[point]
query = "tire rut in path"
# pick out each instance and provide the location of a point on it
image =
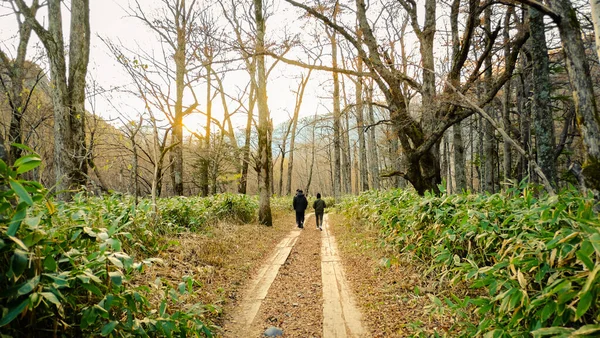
(257, 289)
(341, 317)
(294, 302)
(308, 297)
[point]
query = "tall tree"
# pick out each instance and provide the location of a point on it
(420, 140)
(372, 141)
(294, 128)
(68, 89)
(507, 104)
(17, 71)
(264, 160)
(337, 142)
(176, 29)
(460, 175)
(360, 125)
(488, 131)
(541, 103)
(588, 116)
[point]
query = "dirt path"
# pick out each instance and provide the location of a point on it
(341, 316)
(301, 289)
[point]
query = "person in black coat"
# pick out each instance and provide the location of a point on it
(319, 206)
(300, 204)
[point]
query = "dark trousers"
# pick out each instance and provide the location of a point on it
(319, 217)
(299, 217)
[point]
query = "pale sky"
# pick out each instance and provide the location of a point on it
(110, 21)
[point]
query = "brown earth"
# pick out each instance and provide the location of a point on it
(294, 302)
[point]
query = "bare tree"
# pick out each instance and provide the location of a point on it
(16, 71)
(264, 160)
(419, 139)
(176, 28)
(68, 88)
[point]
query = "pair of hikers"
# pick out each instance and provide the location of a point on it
(300, 204)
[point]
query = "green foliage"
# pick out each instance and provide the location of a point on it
(532, 262)
(196, 213)
(67, 268)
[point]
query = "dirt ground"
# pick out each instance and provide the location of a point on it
(385, 286)
(294, 302)
(224, 261)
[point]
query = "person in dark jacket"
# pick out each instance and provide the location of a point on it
(319, 206)
(300, 204)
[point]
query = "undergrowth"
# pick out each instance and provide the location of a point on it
(532, 262)
(66, 269)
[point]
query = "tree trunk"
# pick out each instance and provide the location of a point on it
(312, 155)
(507, 153)
(542, 111)
(488, 131)
(460, 176)
(246, 149)
(595, 6)
(360, 125)
(346, 155)
(205, 163)
(17, 73)
(290, 166)
(180, 68)
(337, 165)
(264, 160)
(588, 117)
(68, 90)
(372, 145)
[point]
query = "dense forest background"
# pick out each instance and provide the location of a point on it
(469, 94)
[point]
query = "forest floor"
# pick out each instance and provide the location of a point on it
(301, 290)
(298, 281)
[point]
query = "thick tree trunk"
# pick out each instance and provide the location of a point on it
(542, 111)
(460, 176)
(264, 160)
(588, 117)
(68, 90)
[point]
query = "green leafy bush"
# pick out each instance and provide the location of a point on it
(65, 267)
(533, 262)
(196, 213)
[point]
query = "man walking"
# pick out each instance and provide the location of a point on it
(300, 204)
(319, 206)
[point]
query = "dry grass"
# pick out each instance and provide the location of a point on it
(385, 285)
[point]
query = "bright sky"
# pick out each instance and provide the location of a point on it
(109, 20)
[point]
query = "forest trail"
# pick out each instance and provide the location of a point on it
(301, 288)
